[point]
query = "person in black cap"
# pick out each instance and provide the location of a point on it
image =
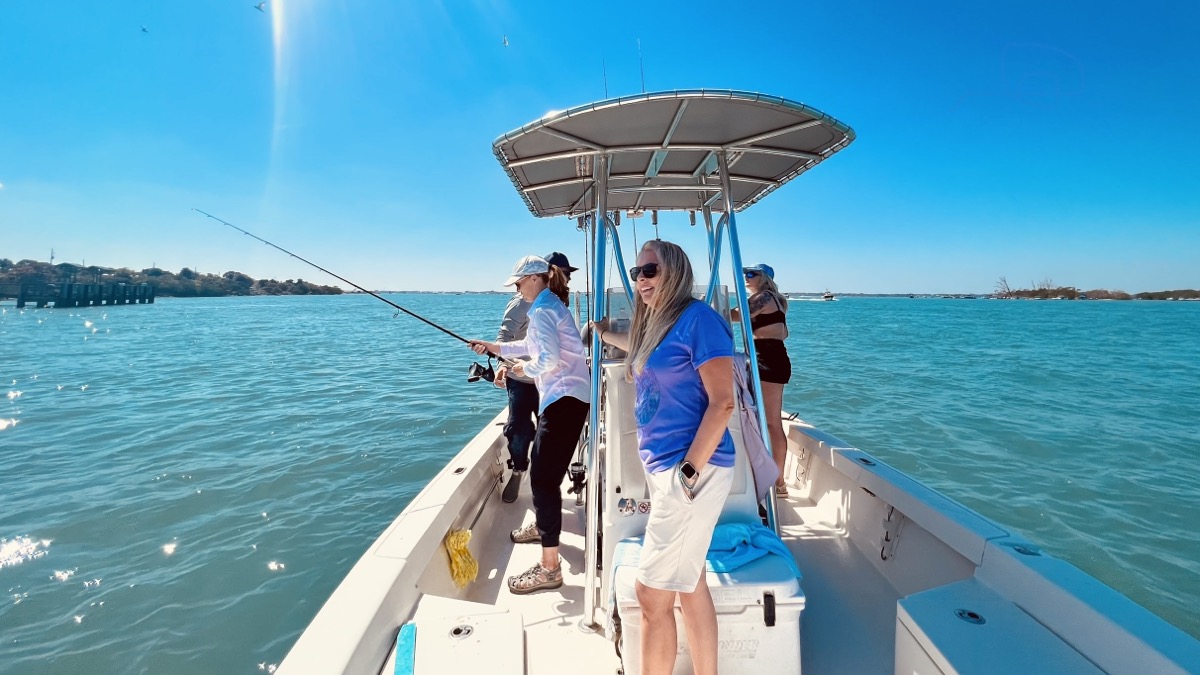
(560, 261)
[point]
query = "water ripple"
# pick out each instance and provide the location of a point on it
(270, 440)
(1072, 423)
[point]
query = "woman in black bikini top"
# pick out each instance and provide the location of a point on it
(768, 320)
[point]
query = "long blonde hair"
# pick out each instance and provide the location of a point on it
(650, 325)
(769, 287)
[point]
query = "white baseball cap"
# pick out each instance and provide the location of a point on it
(530, 264)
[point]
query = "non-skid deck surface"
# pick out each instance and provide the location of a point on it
(555, 642)
(848, 625)
(849, 620)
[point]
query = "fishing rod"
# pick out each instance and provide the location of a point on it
(476, 372)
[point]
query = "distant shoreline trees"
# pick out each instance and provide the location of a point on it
(1048, 290)
(184, 284)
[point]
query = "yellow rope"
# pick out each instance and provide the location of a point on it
(463, 568)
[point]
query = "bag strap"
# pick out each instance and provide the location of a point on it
(762, 465)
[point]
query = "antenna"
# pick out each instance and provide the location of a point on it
(641, 66)
(604, 72)
(51, 256)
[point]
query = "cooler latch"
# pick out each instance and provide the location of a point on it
(768, 603)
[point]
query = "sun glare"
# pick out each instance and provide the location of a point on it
(278, 37)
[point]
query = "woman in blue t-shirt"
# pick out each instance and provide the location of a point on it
(681, 363)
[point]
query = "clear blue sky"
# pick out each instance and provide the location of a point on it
(1029, 140)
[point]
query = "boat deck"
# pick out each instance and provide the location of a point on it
(555, 640)
(849, 621)
(848, 624)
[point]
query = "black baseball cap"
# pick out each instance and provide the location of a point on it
(560, 260)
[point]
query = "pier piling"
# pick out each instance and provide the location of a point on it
(71, 294)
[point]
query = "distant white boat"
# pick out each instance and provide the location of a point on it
(902, 578)
(827, 295)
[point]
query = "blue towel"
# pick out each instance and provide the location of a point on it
(736, 544)
(406, 648)
(733, 545)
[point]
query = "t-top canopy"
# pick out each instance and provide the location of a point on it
(662, 144)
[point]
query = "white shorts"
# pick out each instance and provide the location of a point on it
(678, 532)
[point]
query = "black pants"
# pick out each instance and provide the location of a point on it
(520, 428)
(558, 431)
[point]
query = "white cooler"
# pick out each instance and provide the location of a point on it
(758, 618)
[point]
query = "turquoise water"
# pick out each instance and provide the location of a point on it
(183, 484)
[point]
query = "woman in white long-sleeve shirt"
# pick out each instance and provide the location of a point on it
(558, 366)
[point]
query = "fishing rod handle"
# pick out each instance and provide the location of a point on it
(503, 360)
(489, 353)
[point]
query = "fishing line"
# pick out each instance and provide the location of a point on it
(612, 265)
(341, 278)
(641, 66)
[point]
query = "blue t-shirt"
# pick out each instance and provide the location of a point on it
(670, 394)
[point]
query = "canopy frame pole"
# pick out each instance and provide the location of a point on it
(592, 512)
(712, 236)
(735, 255)
(714, 254)
(615, 240)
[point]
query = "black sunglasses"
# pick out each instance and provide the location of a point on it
(751, 275)
(649, 270)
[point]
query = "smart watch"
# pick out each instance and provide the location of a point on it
(689, 472)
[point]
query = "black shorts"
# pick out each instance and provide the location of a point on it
(773, 362)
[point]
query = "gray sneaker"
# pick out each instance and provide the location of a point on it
(527, 535)
(514, 486)
(536, 578)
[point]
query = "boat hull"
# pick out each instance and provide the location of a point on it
(885, 560)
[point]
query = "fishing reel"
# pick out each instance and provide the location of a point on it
(577, 472)
(476, 372)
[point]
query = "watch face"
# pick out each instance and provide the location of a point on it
(688, 470)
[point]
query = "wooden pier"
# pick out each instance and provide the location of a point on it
(71, 294)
